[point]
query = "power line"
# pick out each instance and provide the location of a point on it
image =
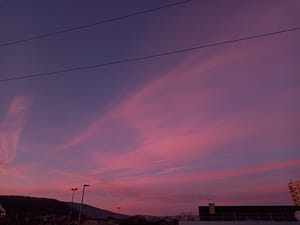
(93, 24)
(43, 74)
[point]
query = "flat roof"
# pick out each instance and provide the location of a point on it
(249, 213)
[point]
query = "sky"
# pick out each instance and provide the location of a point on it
(159, 136)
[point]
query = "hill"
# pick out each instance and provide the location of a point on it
(23, 210)
(33, 206)
(24, 205)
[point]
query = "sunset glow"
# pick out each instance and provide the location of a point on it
(159, 136)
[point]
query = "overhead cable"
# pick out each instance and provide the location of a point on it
(75, 28)
(161, 54)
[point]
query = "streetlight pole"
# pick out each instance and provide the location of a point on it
(71, 206)
(79, 217)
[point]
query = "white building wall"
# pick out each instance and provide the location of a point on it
(237, 223)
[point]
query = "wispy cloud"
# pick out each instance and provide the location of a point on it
(14, 171)
(187, 113)
(148, 105)
(170, 131)
(11, 127)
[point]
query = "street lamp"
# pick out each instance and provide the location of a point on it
(71, 206)
(84, 186)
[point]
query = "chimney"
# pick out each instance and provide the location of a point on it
(212, 209)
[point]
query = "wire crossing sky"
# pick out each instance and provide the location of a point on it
(43, 74)
(76, 28)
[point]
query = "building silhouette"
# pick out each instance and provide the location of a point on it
(258, 213)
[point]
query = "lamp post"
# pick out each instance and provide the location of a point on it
(80, 209)
(71, 206)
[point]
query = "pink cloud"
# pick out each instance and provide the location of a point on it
(157, 103)
(211, 175)
(170, 151)
(174, 116)
(20, 104)
(14, 171)
(138, 106)
(184, 116)
(133, 193)
(12, 126)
